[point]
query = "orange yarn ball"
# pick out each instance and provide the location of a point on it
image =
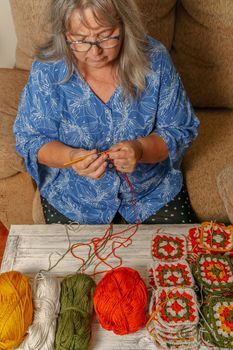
(16, 308)
(120, 301)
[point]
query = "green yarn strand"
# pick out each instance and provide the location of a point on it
(74, 321)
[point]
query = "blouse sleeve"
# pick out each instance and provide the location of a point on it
(177, 123)
(37, 120)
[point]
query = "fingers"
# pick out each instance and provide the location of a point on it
(93, 166)
(123, 156)
(118, 151)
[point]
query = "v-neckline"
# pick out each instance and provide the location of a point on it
(84, 82)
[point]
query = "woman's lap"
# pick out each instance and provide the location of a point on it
(177, 211)
(51, 215)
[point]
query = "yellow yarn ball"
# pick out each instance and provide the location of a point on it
(16, 309)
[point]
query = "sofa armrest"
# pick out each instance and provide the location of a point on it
(225, 189)
(208, 156)
(12, 83)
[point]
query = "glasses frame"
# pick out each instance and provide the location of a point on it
(93, 43)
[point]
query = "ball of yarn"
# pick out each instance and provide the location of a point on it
(16, 308)
(74, 320)
(120, 301)
(41, 333)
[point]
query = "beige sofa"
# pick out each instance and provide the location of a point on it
(199, 35)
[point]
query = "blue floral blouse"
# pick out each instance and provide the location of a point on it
(71, 113)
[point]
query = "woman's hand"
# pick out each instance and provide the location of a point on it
(92, 166)
(126, 155)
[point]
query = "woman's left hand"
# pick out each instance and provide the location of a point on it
(126, 155)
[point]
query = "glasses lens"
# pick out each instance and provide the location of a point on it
(81, 47)
(109, 43)
(105, 44)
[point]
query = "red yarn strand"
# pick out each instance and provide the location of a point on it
(96, 245)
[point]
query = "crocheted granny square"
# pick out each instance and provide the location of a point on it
(177, 307)
(216, 237)
(218, 327)
(214, 273)
(169, 247)
(168, 274)
(173, 322)
(211, 237)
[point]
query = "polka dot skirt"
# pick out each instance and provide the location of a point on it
(51, 215)
(178, 211)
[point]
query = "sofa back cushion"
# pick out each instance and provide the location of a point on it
(159, 17)
(31, 26)
(203, 51)
(30, 21)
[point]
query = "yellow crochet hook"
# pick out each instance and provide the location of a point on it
(71, 162)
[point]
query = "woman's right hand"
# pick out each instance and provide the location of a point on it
(92, 166)
(56, 154)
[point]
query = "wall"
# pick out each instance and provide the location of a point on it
(7, 36)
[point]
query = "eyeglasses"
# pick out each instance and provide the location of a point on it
(83, 46)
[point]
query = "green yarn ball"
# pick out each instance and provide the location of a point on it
(74, 320)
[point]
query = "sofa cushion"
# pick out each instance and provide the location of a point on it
(30, 20)
(12, 82)
(17, 193)
(203, 51)
(210, 153)
(31, 24)
(159, 17)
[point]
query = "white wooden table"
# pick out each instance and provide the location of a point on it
(31, 248)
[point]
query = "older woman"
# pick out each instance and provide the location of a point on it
(103, 93)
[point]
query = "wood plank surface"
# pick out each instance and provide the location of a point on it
(31, 248)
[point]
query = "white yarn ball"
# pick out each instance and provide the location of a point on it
(41, 333)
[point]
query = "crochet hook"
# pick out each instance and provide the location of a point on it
(71, 162)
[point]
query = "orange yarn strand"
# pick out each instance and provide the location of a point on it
(115, 240)
(120, 301)
(16, 309)
(96, 246)
(123, 242)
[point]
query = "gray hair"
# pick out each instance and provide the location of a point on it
(133, 57)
